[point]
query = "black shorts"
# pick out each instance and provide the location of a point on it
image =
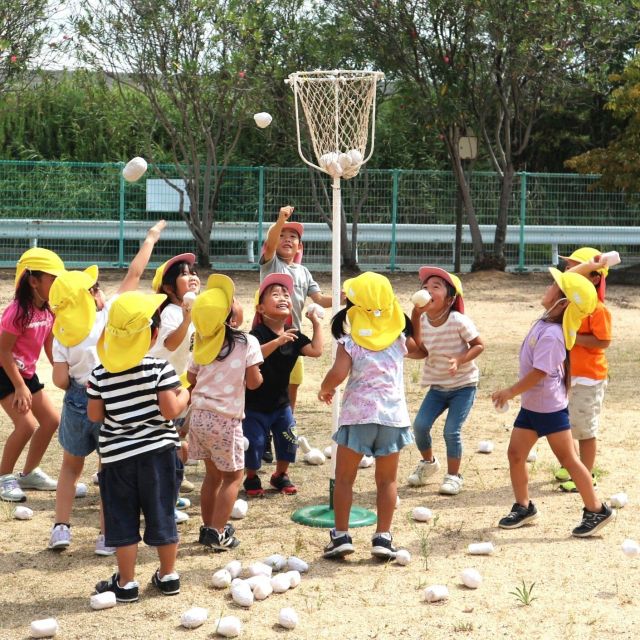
(6, 386)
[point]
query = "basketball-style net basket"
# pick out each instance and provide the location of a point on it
(339, 108)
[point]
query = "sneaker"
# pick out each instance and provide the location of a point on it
(219, 541)
(593, 521)
(451, 484)
(562, 475)
(10, 490)
(94, 478)
(183, 503)
(382, 546)
(128, 593)
(38, 480)
(570, 486)
(169, 585)
(101, 547)
(253, 486)
(186, 486)
(338, 547)
(180, 516)
(424, 470)
(518, 516)
(60, 537)
(282, 484)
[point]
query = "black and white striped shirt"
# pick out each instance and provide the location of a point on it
(133, 424)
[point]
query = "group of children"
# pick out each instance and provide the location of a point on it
(141, 371)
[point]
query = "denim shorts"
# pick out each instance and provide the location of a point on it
(6, 386)
(544, 424)
(372, 439)
(146, 484)
(257, 425)
(77, 434)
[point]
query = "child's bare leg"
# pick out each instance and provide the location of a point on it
(24, 426)
(347, 461)
(588, 450)
(48, 418)
(209, 492)
(66, 491)
(127, 556)
(427, 454)
(453, 466)
(387, 489)
(167, 553)
(562, 446)
(293, 396)
(227, 495)
(519, 446)
(282, 466)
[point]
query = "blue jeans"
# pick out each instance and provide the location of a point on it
(257, 425)
(77, 434)
(459, 402)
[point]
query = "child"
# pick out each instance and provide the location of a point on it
(224, 360)
(374, 419)
(589, 368)
(267, 408)
(544, 413)
(25, 329)
(283, 254)
(81, 313)
(136, 397)
(451, 343)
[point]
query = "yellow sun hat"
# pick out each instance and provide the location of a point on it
(376, 317)
(38, 259)
(582, 298)
(586, 254)
(73, 306)
(127, 336)
(156, 283)
(209, 313)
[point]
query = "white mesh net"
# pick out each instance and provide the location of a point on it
(338, 108)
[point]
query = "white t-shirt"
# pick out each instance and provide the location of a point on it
(83, 358)
(446, 341)
(170, 320)
(220, 385)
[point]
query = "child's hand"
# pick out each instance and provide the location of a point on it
(500, 398)
(285, 213)
(156, 230)
(454, 363)
(326, 395)
(288, 336)
(22, 399)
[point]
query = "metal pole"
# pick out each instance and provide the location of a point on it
(121, 214)
(523, 215)
(394, 219)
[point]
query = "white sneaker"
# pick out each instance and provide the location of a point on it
(101, 547)
(60, 537)
(37, 479)
(424, 470)
(180, 516)
(451, 484)
(10, 490)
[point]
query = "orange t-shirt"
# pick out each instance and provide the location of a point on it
(592, 363)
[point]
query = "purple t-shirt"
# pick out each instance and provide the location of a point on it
(544, 349)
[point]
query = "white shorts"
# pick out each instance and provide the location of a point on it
(585, 404)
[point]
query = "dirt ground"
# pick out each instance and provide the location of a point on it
(581, 588)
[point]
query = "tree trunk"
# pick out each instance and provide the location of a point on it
(506, 192)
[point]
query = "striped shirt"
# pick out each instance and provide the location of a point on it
(443, 342)
(133, 424)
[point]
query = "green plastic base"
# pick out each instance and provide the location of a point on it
(322, 516)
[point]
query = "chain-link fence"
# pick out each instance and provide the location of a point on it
(88, 214)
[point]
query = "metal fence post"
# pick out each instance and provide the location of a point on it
(260, 203)
(121, 215)
(394, 218)
(523, 216)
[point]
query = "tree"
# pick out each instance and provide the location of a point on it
(495, 66)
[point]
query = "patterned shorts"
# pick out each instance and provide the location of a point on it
(216, 438)
(585, 403)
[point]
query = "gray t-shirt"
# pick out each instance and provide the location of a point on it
(303, 283)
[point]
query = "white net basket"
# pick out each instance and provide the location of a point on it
(339, 108)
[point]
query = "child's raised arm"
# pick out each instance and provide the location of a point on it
(273, 236)
(335, 376)
(313, 350)
(141, 259)
(500, 398)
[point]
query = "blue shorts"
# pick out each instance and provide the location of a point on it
(373, 439)
(257, 425)
(146, 484)
(544, 424)
(77, 434)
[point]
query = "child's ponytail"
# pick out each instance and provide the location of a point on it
(231, 336)
(338, 321)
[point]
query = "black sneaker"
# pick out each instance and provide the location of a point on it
(168, 585)
(382, 547)
(593, 521)
(282, 484)
(519, 515)
(338, 547)
(219, 541)
(253, 486)
(128, 593)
